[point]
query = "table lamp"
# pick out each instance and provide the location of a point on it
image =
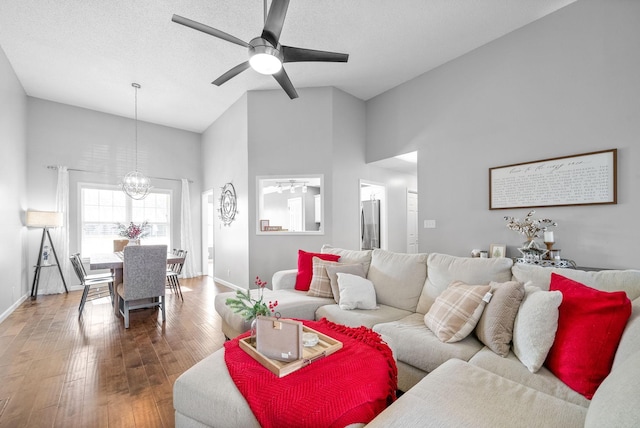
(44, 220)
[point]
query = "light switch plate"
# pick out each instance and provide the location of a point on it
(429, 224)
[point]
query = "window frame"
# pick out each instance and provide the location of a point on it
(128, 209)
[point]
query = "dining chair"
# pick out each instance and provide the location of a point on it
(88, 282)
(144, 276)
(173, 272)
(92, 276)
(119, 244)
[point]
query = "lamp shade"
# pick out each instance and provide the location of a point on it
(44, 219)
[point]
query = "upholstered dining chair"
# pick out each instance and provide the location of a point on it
(89, 283)
(144, 276)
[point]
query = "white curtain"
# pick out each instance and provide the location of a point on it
(60, 237)
(186, 237)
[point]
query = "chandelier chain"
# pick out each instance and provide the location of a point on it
(136, 86)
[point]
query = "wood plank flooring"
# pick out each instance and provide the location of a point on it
(58, 370)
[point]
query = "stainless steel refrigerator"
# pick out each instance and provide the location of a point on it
(370, 224)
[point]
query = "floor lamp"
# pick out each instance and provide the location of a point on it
(45, 220)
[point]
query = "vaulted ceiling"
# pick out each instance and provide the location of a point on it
(87, 53)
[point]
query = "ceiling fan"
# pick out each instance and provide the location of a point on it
(266, 54)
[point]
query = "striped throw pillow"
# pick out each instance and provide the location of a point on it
(320, 282)
(456, 311)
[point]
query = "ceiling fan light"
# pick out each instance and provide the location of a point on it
(265, 63)
(263, 57)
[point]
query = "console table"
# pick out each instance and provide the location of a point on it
(562, 263)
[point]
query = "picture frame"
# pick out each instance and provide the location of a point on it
(497, 251)
(264, 224)
(582, 179)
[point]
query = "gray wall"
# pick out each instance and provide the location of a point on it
(59, 134)
(14, 261)
(224, 160)
(322, 132)
(287, 138)
(563, 85)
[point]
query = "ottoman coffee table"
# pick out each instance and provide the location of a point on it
(206, 395)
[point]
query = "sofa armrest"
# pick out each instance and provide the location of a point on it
(284, 279)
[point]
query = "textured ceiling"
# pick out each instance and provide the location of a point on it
(87, 53)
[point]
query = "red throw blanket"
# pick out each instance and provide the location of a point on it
(352, 385)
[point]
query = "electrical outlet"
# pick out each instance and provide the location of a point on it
(429, 224)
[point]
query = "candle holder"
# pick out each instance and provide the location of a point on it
(549, 247)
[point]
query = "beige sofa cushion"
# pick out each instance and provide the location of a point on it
(358, 317)
(398, 278)
(630, 340)
(350, 256)
(495, 328)
(444, 269)
(606, 280)
(459, 394)
(615, 403)
(543, 380)
(416, 345)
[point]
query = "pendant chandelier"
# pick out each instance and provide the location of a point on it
(135, 184)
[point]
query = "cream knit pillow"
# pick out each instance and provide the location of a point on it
(535, 326)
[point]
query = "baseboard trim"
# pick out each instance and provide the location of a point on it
(227, 284)
(12, 308)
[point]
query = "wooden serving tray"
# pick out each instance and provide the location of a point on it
(326, 346)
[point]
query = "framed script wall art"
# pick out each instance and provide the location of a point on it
(584, 179)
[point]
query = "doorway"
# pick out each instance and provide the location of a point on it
(208, 212)
(295, 214)
(412, 222)
(373, 215)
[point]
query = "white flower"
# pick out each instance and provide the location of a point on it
(529, 227)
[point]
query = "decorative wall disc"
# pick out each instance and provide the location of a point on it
(228, 204)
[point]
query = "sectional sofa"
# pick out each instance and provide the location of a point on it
(492, 373)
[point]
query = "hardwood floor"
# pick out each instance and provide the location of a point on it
(58, 370)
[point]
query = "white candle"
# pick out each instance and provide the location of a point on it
(548, 237)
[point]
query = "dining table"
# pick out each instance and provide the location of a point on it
(115, 262)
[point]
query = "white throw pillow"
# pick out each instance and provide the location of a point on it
(534, 329)
(356, 292)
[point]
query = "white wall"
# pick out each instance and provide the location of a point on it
(14, 262)
(563, 85)
(59, 134)
(224, 159)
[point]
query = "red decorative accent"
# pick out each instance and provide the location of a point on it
(305, 268)
(353, 385)
(590, 325)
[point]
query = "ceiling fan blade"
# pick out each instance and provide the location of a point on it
(231, 73)
(283, 80)
(209, 30)
(292, 54)
(275, 21)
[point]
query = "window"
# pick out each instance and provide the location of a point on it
(103, 207)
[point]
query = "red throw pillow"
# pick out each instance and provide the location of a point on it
(305, 268)
(590, 324)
